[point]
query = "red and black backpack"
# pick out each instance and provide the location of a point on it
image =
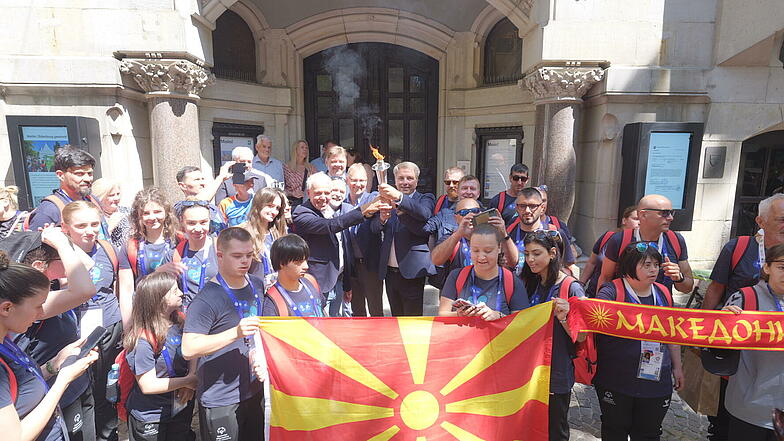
(462, 277)
(280, 302)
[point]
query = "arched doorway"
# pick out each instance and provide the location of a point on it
(761, 174)
(376, 93)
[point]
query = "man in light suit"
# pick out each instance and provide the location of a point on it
(327, 256)
(405, 257)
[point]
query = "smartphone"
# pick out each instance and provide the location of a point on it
(238, 173)
(92, 341)
(238, 167)
(461, 304)
(484, 217)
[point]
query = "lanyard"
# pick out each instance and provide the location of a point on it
(167, 357)
(659, 244)
(761, 251)
(775, 298)
(635, 299)
(204, 262)
(10, 350)
(475, 292)
(293, 306)
(240, 306)
(537, 298)
(64, 195)
(265, 260)
(467, 261)
(143, 257)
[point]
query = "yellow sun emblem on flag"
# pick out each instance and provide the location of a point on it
(414, 406)
(599, 316)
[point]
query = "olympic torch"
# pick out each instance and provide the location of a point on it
(380, 167)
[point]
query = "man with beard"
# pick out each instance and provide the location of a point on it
(504, 201)
(529, 208)
(74, 168)
(447, 200)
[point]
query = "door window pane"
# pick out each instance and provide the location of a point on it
(753, 170)
(324, 83)
(416, 83)
(324, 130)
(775, 173)
(396, 105)
(417, 105)
(396, 141)
(347, 133)
(395, 79)
(416, 141)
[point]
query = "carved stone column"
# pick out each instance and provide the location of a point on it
(558, 93)
(172, 87)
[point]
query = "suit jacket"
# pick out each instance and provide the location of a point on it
(367, 240)
(319, 233)
(410, 238)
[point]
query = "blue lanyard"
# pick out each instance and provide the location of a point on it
(537, 299)
(10, 350)
(467, 261)
(142, 257)
(775, 299)
(64, 195)
(203, 272)
(293, 306)
(240, 305)
(657, 301)
(167, 357)
(475, 292)
(265, 260)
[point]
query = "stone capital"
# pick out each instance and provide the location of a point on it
(561, 84)
(173, 77)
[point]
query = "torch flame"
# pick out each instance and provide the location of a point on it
(376, 154)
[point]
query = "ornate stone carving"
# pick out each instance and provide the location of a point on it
(175, 76)
(549, 84)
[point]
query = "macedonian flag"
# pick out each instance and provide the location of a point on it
(413, 378)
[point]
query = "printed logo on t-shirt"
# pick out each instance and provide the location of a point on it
(306, 308)
(95, 273)
(248, 308)
(194, 270)
(482, 299)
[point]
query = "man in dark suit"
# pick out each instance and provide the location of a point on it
(405, 257)
(326, 261)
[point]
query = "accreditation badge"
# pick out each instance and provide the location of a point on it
(91, 318)
(651, 359)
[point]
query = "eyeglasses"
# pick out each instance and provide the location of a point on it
(451, 182)
(531, 207)
(519, 178)
(662, 212)
(465, 211)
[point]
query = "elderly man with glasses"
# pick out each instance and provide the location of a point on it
(504, 201)
(656, 214)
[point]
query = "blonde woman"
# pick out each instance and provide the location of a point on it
(107, 191)
(11, 219)
(265, 223)
(296, 172)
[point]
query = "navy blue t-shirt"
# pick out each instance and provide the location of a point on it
(618, 359)
(225, 376)
(29, 393)
(194, 260)
(152, 255)
(599, 250)
(561, 365)
(142, 359)
(45, 339)
(487, 292)
(301, 298)
(612, 252)
(746, 273)
(509, 212)
(46, 213)
(103, 277)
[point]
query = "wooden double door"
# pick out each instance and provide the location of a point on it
(375, 93)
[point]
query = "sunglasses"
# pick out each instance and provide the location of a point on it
(531, 207)
(193, 203)
(449, 182)
(643, 246)
(465, 211)
(543, 188)
(662, 212)
(547, 233)
(519, 178)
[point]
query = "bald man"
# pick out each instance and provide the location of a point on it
(453, 251)
(656, 214)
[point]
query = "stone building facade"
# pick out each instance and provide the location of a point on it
(146, 71)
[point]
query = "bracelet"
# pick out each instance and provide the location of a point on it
(50, 368)
(508, 237)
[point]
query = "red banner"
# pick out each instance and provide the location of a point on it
(693, 327)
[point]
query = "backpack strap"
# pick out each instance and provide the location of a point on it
(749, 298)
(279, 301)
(620, 290)
(626, 239)
(740, 249)
(666, 292)
(508, 285)
(566, 283)
(674, 242)
(309, 277)
(51, 198)
(12, 384)
(439, 204)
(552, 227)
(179, 251)
(605, 239)
(501, 201)
(512, 226)
(152, 340)
(462, 276)
(554, 221)
(109, 249)
(132, 249)
(454, 252)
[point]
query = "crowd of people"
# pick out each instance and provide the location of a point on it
(177, 286)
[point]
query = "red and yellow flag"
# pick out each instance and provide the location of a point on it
(412, 378)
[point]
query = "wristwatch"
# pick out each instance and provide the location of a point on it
(508, 237)
(683, 277)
